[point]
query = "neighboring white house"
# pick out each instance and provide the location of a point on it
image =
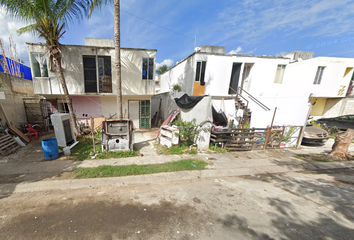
(89, 72)
(282, 83)
(327, 79)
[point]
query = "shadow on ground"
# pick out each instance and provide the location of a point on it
(331, 198)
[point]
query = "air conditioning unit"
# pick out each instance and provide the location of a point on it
(64, 132)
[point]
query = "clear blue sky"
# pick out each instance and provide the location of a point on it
(259, 27)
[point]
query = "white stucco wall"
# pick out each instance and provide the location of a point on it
(299, 77)
(182, 74)
(131, 62)
(290, 97)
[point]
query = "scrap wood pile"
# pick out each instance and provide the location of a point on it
(8, 144)
(239, 139)
(246, 139)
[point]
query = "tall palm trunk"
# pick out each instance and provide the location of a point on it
(57, 61)
(117, 56)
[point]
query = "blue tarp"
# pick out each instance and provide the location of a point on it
(25, 71)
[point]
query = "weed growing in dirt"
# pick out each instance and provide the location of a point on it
(217, 149)
(83, 149)
(163, 150)
(127, 170)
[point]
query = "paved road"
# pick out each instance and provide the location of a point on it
(294, 205)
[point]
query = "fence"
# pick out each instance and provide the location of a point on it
(257, 138)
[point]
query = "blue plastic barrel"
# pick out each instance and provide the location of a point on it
(50, 149)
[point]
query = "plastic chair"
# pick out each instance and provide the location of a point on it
(32, 132)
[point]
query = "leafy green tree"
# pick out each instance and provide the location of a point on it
(48, 19)
(162, 69)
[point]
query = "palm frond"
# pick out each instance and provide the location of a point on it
(32, 28)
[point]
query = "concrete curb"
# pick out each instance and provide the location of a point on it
(141, 179)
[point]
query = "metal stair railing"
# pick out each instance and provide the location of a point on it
(259, 103)
(239, 95)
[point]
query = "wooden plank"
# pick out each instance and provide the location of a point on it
(8, 144)
(219, 140)
(10, 151)
(247, 141)
(5, 138)
(9, 147)
(19, 133)
(97, 122)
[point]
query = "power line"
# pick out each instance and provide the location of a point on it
(159, 26)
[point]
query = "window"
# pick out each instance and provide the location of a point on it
(319, 74)
(39, 65)
(148, 69)
(279, 74)
(100, 71)
(200, 72)
(90, 74)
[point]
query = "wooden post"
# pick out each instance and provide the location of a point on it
(267, 137)
(93, 135)
(299, 137)
(275, 110)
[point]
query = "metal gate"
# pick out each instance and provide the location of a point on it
(144, 114)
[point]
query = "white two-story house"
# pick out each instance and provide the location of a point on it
(89, 72)
(279, 88)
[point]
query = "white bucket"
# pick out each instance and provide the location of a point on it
(66, 151)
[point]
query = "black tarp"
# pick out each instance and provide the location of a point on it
(219, 118)
(186, 101)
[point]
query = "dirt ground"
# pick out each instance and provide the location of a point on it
(289, 206)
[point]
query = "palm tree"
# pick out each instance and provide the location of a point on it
(117, 56)
(116, 5)
(48, 19)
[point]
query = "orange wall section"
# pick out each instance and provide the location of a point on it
(198, 90)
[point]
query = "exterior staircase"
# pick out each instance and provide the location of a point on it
(242, 103)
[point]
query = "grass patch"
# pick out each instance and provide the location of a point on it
(128, 170)
(83, 149)
(217, 149)
(174, 150)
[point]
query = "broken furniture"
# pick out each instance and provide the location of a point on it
(169, 136)
(32, 132)
(117, 135)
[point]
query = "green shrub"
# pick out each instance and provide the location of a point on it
(187, 131)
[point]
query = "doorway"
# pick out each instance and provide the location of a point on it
(246, 76)
(139, 113)
(235, 77)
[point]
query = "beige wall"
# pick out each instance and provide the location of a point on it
(338, 106)
(317, 109)
(15, 90)
(131, 62)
